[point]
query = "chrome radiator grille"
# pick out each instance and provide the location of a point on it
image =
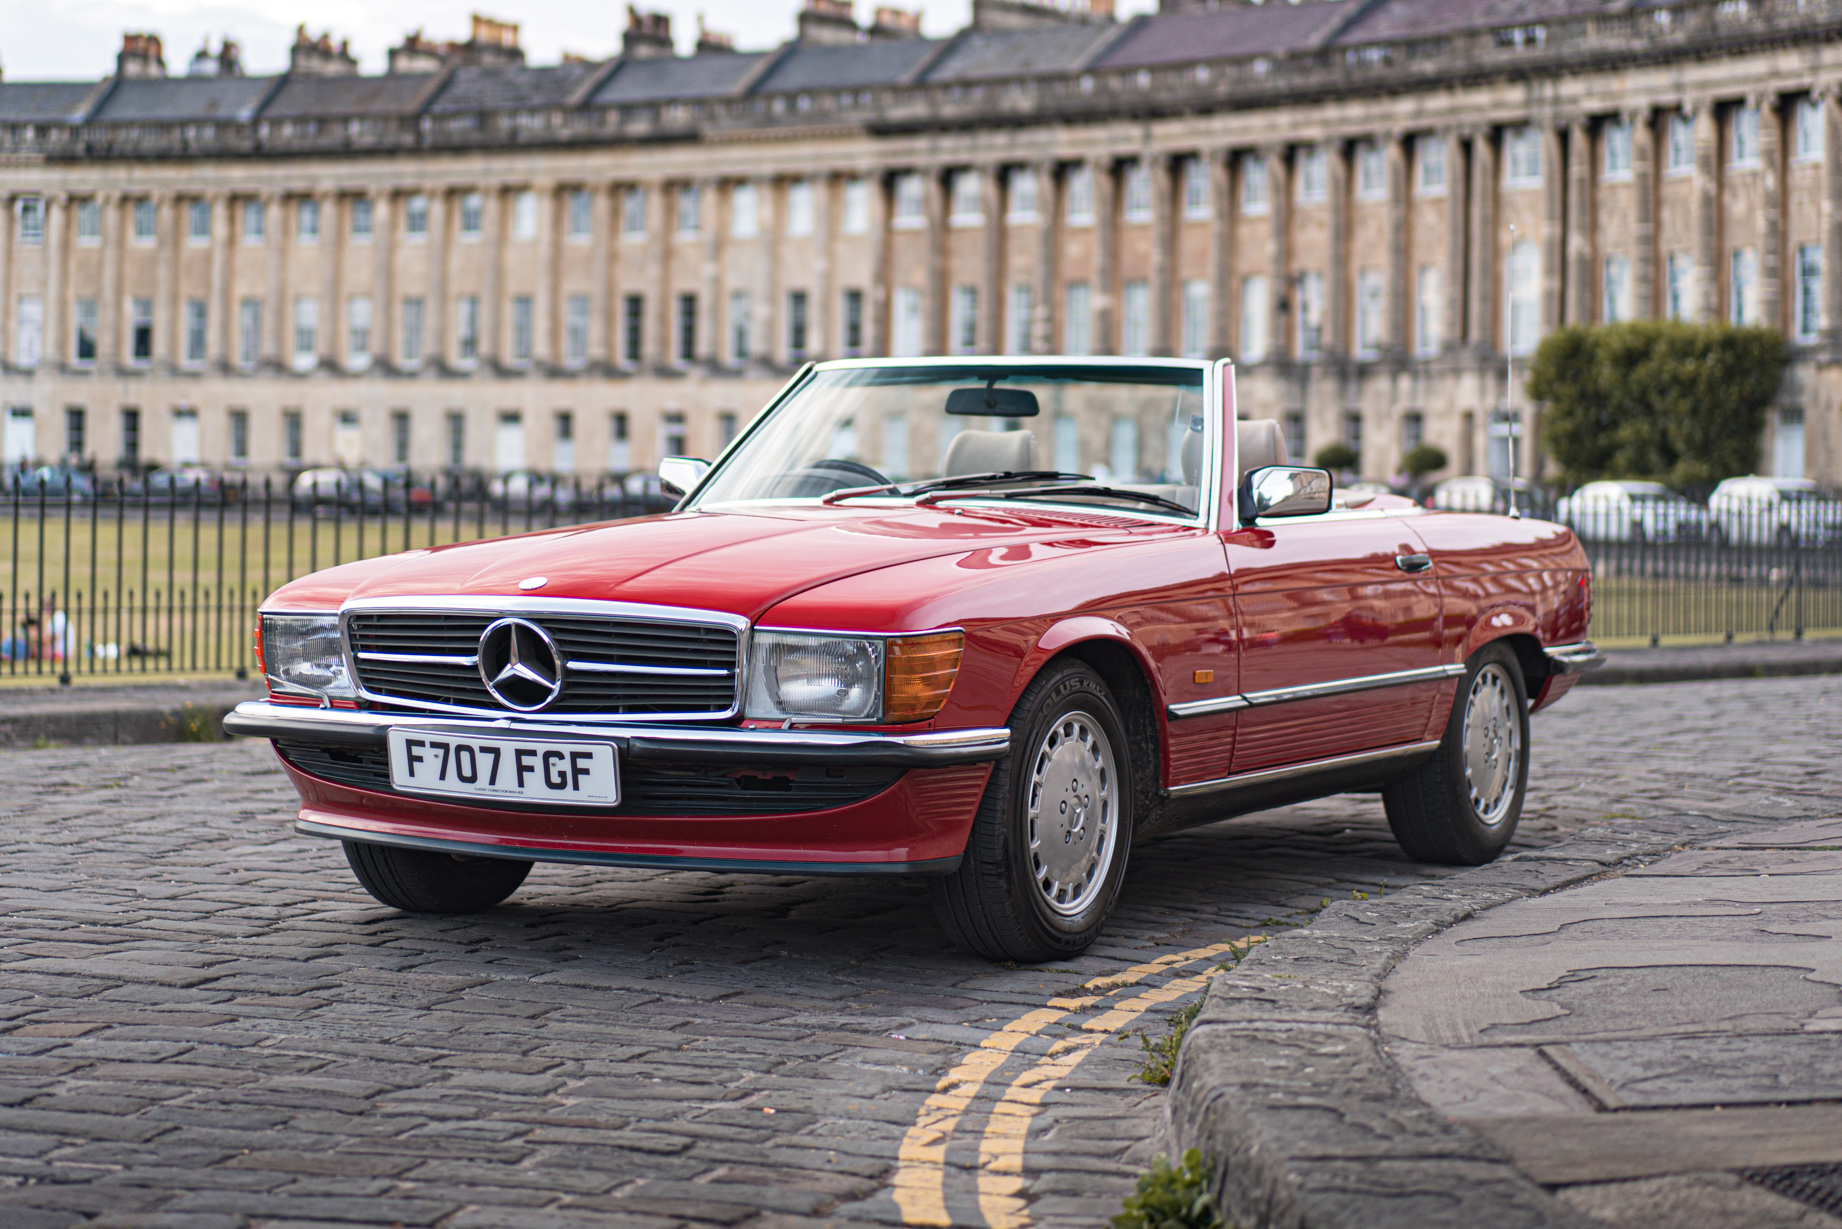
(613, 666)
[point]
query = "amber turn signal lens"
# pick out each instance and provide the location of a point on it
(918, 673)
(262, 665)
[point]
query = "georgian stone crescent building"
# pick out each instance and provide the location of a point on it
(467, 261)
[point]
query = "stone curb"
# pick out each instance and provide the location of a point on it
(1767, 659)
(159, 715)
(1283, 1082)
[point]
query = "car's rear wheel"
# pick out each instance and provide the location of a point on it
(422, 881)
(1461, 806)
(1048, 847)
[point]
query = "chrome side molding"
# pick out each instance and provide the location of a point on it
(1291, 771)
(1313, 691)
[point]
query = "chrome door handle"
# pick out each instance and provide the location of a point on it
(1413, 563)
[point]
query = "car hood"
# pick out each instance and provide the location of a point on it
(737, 562)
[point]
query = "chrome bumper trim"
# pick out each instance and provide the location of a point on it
(336, 727)
(1313, 691)
(1574, 658)
(1289, 771)
(521, 853)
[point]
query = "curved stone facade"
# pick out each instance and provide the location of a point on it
(1369, 204)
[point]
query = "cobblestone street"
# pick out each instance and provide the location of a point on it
(205, 1023)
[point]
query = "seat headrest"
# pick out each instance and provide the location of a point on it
(989, 452)
(1258, 442)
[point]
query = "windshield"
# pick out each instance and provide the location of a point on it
(1126, 437)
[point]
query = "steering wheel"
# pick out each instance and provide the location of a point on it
(824, 477)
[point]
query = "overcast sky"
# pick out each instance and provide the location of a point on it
(78, 39)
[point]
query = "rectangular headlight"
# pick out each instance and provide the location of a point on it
(302, 655)
(811, 677)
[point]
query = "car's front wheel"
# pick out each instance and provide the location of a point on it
(1048, 847)
(424, 881)
(1461, 806)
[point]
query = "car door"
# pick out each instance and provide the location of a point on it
(1339, 624)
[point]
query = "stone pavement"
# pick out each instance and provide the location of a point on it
(204, 1023)
(1646, 1043)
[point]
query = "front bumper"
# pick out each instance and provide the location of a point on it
(357, 728)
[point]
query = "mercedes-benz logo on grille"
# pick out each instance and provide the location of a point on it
(520, 665)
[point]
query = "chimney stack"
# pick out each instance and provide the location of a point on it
(140, 57)
(648, 35)
(317, 57)
(828, 23)
(712, 42)
(895, 23)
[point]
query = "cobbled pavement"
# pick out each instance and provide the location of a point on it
(205, 1024)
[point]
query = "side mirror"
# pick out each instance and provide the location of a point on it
(679, 475)
(1284, 490)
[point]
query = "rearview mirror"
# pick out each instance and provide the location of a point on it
(1284, 490)
(994, 402)
(681, 474)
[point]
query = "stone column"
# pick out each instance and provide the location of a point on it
(1457, 228)
(1048, 251)
(384, 280)
(876, 295)
(275, 234)
(1832, 214)
(53, 346)
(108, 298)
(168, 236)
(546, 346)
(1106, 246)
(1394, 311)
(1705, 304)
(7, 262)
(656, 346)
(1161, 340)
(332, 281)
(437, 344)
(1222, 299)
(218, 335)
(992, 309)
(603, 302)
(1554, 172)
(1771, 205)
(1483, 281)
(492, 280)
(767, 342)
(1279, 251)
(709, 272)
(819, 297)
(1580, 223)
(1643, 213)
(934, 282)
(1337, 275)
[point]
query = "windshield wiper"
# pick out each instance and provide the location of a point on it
(993, 478)
(1109, 492)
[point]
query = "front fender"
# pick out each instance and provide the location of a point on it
(1077, 629)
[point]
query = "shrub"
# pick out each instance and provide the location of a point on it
(1683, 403)
(1336, 458)
(1172, 1198)
(1423, 459)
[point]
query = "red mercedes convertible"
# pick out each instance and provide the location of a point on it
(987, 621)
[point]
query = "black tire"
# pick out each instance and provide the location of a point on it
(421, 881)
(1433, 810)
(996, 904)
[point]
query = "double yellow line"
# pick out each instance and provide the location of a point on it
(920, 1178)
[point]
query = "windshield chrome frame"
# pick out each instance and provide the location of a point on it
(1215, 376)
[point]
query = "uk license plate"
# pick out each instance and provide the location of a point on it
(504, 769)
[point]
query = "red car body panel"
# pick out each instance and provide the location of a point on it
(1204, 616)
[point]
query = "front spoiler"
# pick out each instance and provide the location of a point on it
(342, 727)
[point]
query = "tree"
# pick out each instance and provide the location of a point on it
(1423, 459)
(1337, 458)
(1682, 403)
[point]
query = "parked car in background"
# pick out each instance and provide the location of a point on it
(527, 488)
(639, 495)
(976, 670)
(177, 484)
(48, 482)
(365, 489)
(1756, 511)
(1627, 510)
(1477, 493)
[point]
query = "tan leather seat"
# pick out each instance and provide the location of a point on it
(1258, 442)
(989, 452)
